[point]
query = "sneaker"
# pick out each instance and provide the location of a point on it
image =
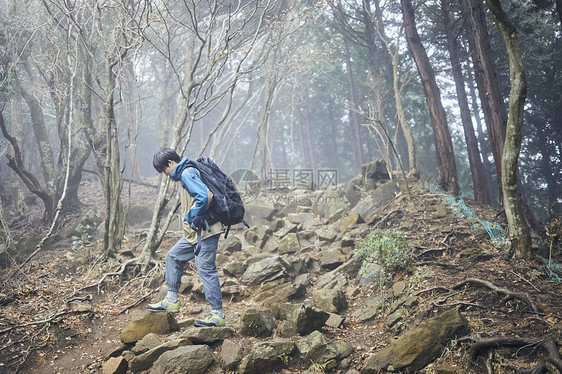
(210, 320)
(164, 306)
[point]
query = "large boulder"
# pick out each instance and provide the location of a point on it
(267, 357)
(158, 323)
(305, 319)
(258, 323)
(329, 300)
(330, 201)
(259, 212)
(419, 346)
(378, 198)
(207, 335)
(145, 360)
(265, 270)
(232, 353)
(317, 348)
(194, 359)
(288, 244)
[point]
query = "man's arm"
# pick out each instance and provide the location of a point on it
(196, 189)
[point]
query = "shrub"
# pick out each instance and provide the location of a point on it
(388, 248)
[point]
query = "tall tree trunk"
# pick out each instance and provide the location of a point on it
(519, 231)
(479, 184)
(486, 78)
(352, 111)
(559, 10)
(447, 170)
(483, 142)
(399, 114)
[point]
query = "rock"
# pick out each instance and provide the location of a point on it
(251, 236)
(394, 318)
(265, 270)
(371, 203)
(328, 234)
(289, 244)
(115, 365)
(231, 354)
(267, 357)
(317, 348)
(277, 224)
(332, 258)
(149, 341)
(258, 323)
(375, 170)
(335, 320)
(195, 359)
(287, 228)
(331, 301)
(306, 319)
(80, 306)
(259, 211)
(348, 269)
(145, 361)
(186, 285)
(139, 216)
(419, 346)
(372, 306)
(207, 335)
(159, 323)
(398, 288)
(350, 220)
(330, 201)
(234, 268)
(280, 294)
(231, 244)
(270, 244)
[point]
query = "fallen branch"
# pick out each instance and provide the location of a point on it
(523, 296)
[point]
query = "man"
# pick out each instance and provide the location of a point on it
(195, 198)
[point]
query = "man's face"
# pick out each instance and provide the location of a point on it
(170, 168)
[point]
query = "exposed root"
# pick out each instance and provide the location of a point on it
(121, 270)
(523, 296)
(137, 302)
(549, 346)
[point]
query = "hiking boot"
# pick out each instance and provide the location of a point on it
(210, 320)
(164, 306)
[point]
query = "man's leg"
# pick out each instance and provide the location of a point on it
(176, 259)
(208, 274)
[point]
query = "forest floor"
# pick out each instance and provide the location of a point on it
(39, 333)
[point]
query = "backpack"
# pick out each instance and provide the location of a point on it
(227, 206)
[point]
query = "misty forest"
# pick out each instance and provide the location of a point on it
(400, 164)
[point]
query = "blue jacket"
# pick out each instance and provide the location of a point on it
(194, 186)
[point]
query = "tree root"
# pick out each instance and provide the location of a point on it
(523, 296)
(549, 346)
(120, 270)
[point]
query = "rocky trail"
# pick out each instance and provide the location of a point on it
(297, 297)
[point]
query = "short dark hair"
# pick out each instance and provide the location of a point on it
(163, 157)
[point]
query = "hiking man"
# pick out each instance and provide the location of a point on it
(195, 198)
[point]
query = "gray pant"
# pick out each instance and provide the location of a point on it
(182, 252)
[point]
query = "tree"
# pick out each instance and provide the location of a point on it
(215, 38)
(519, 231)
(447, 171)
(479, 176)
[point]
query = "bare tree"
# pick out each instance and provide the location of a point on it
(215, 35)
